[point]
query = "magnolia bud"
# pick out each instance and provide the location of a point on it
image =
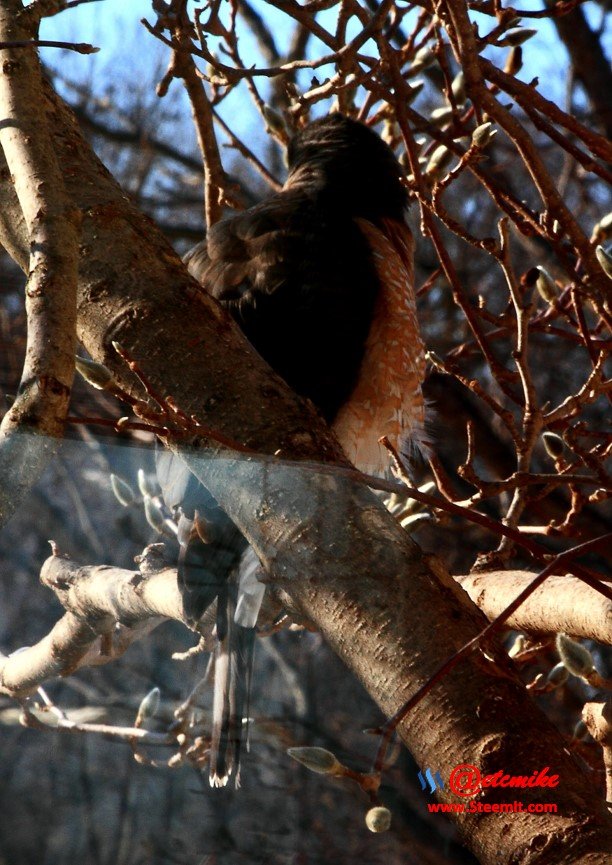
(422, 59)
(558, 675)
(145, 485)
(154, 515)
(546, 285)
(95, 374)
(148, 706)
(458, 88)
(517, 646)
(441, 116)
(554, 444)
(516, 36)
(605, 259)
(378, 819)
(483, 134)
(514, 61)
(123, 491)
(603, 229)
(316, 759)
(438, 161)
(574, 656)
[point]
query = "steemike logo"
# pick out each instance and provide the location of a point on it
(435, 782)
(467, 782)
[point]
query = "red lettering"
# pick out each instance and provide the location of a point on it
(518, 781)
(544, 780)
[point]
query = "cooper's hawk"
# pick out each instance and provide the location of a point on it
(319, 277)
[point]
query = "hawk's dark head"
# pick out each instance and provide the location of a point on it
(350, 165)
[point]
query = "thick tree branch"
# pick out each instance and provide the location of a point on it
(50, 222)
(101, 602)
(563, 605)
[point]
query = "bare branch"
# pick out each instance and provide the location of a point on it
(563, 605)
(52, 224)
(79, 47)
(97, 599)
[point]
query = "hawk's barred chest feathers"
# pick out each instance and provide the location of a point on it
(387, 399)
(320, 279)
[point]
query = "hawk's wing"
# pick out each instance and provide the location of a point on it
(301, 284)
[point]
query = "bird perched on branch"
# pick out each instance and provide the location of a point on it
(319, 277)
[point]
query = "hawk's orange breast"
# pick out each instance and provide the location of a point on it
(387, 399)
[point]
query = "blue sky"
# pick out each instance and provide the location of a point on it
(114, 26)
(130, 58)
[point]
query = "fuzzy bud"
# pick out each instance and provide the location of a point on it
(558, 675)
(517, 646)
(148, 706)
(123, 492)
(438, 161)
(154, 515)
(514, 61)
(95, 374)
(603, 229)
(422, 59)
(145, 485)
(546, 286)
(378, 819)
(554, 444)
(483, 134)
(575, 656)
(458, 88)
(516, 36)
(605, 259)
(316, 759)
(441, 116)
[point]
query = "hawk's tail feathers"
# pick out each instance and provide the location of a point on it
(233, 671)
(417, 440)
